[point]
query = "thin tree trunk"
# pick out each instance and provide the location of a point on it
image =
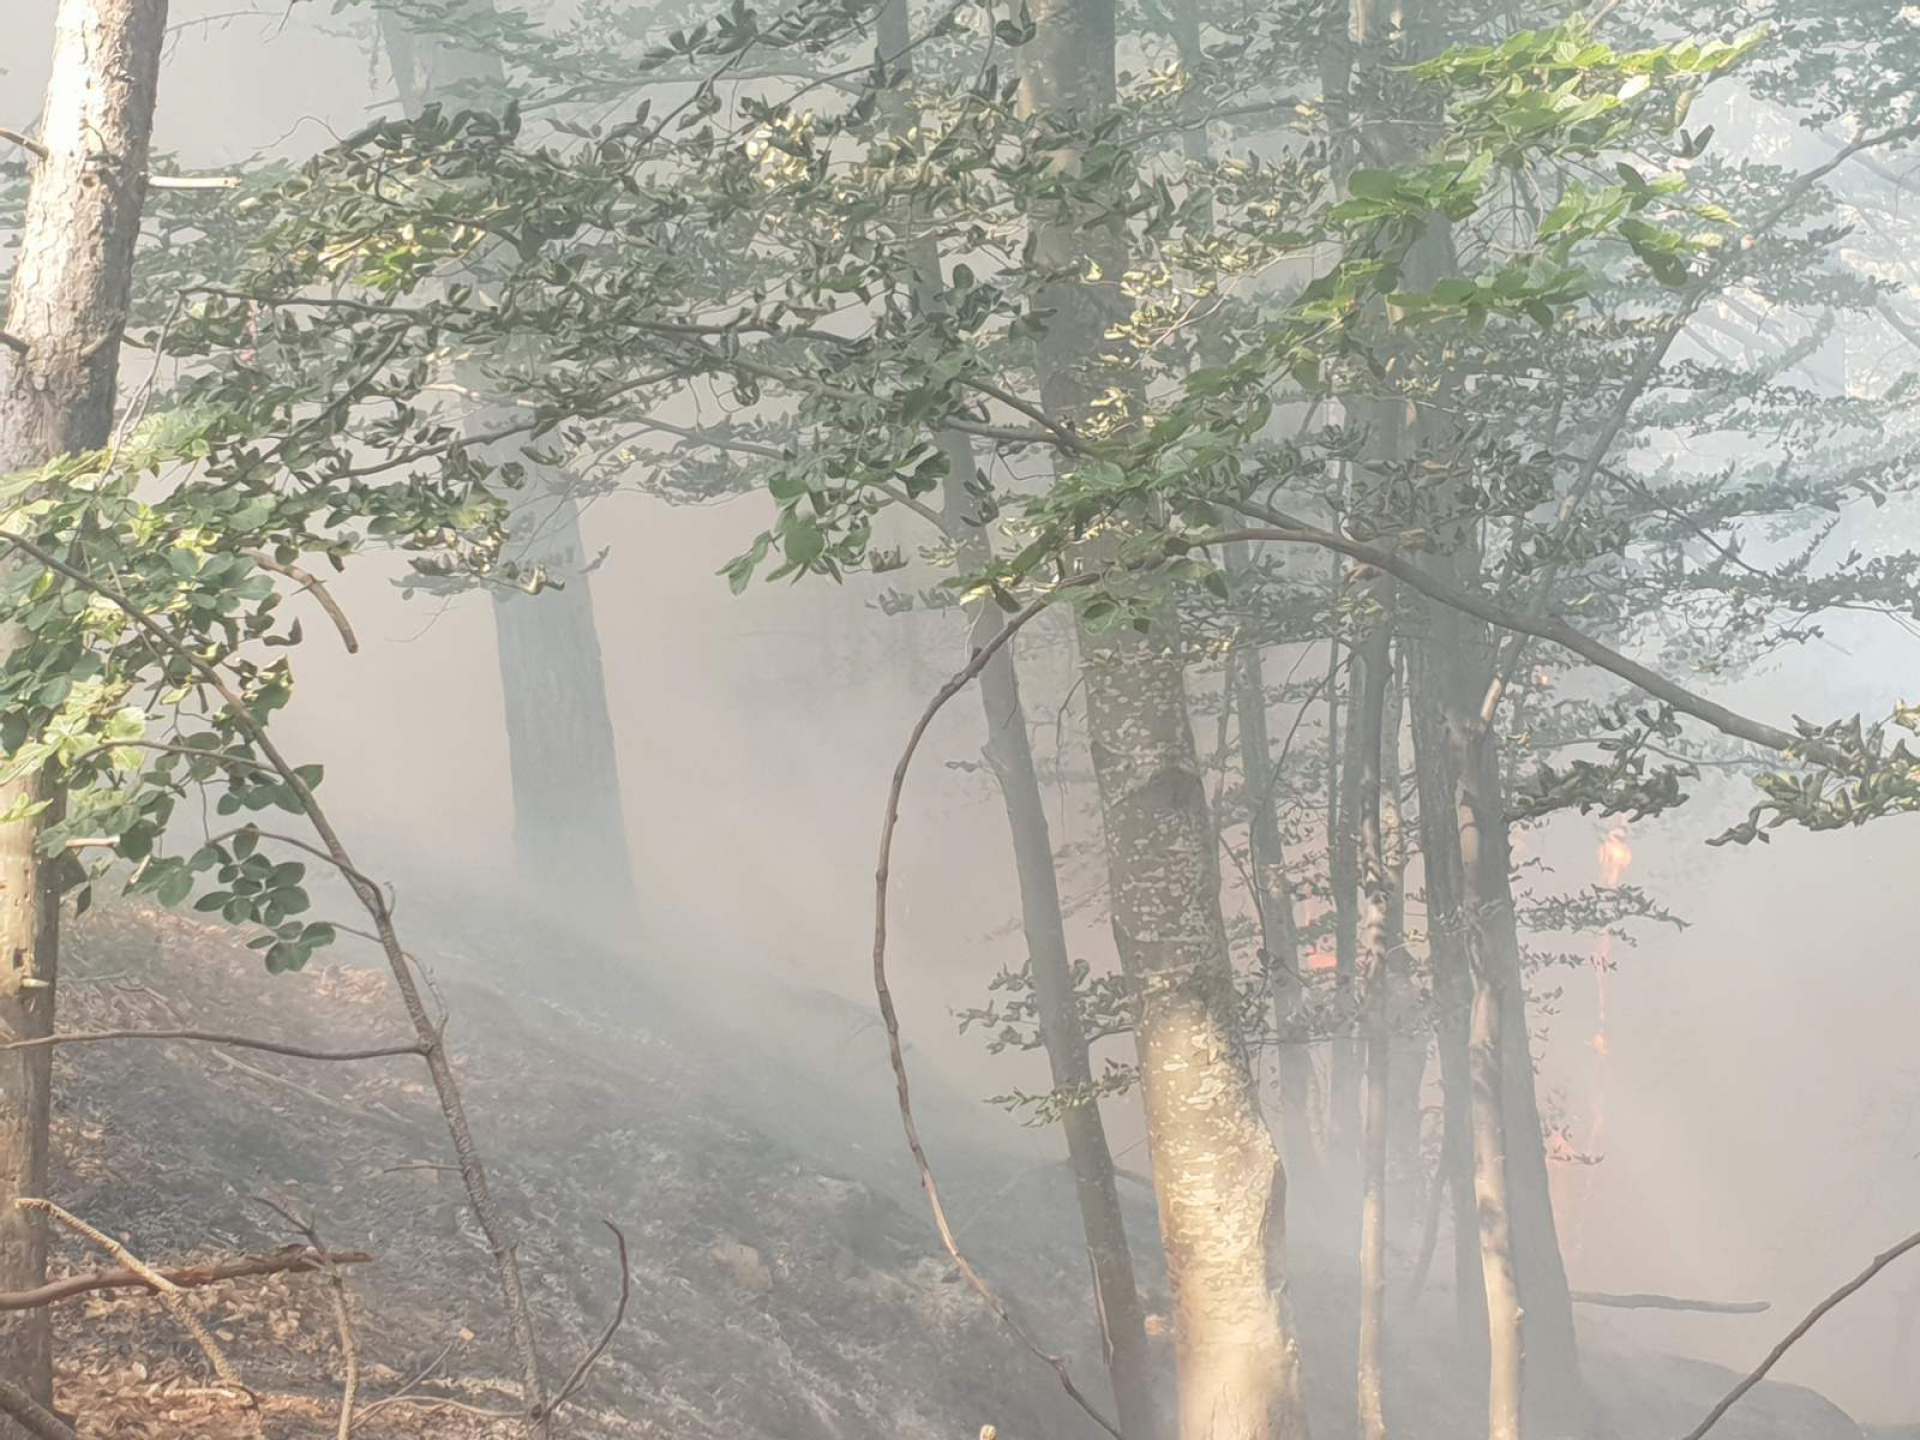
(1273, 900)
(1409, 1043)
(1376, 940)
(1452, 988)
(1117, 1296)
(569, 825)
(65, 312)
(1216, 1172)
(1009, 751)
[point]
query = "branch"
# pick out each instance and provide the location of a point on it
(315, 587)
(213, 1037)
(15, 343)
(1728, 722)
(169, 1293)
(26, 142)
(1792, 1337)
(37, 1421)
(292, 1260)
(193, 182)
(884, 994)
(575, 1380)
(1670, 1302)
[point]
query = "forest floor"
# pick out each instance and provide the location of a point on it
(786, 1284)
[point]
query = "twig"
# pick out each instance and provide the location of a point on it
(193, 182)
(170, 1296)
(214, 1037)
(1792, 1337)
(317, 588)
(26, 142)
(35, 1419)
(1639, 1301)
(575, 1380)
(292, 1260)
(402, 1393)
(358, 1116)
(343, 1320)
(895, 1054)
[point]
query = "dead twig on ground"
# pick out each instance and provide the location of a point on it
(292, 1260)
(579, 1375)
(171, 1295)
(343, 1319)
(1793, 1336)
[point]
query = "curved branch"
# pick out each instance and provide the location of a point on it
(578, 1378)
(31, 1416)
(317, 588)
(884, 994)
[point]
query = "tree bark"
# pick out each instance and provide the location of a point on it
(569, 825)
(65, 313)
(1216, 1171)
(1371, 978)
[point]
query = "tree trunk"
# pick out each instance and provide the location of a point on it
(569, 826)
(1452, 988)
(65, 313)
(1117, 1296)
(1216, 1172)
(1273, 900)
(1376, 941)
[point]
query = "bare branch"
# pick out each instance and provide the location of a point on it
(26, 142)
(1728, 722)
(15, 343)
(575, 1380)
(292, 1260)
(1640, 1301)
(193, 182)
(884, 994)
(343, 1319)
(315, 587)
(1793, 1336)
(213, 1037)
(170, 1296)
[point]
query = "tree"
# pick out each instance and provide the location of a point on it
(66, 307)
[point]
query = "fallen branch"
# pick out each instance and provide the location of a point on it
(884, 994)
(170, 1296)
(31, 1416)
(1793, 1336)
(1642, 1301)
(293, 1259)
(579, 1376)
(213, 1037)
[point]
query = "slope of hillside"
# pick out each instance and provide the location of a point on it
(786, 1284)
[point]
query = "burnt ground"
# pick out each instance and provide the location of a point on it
(786, 1283)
